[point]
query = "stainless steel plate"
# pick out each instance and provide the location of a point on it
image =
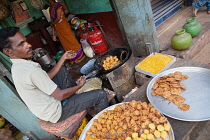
(197, 95)
(88, 126)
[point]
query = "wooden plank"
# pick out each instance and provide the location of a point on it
(16, 112)
(135, 19)
(182, 129)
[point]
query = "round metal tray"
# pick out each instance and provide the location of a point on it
(88, 126)
(197, 95)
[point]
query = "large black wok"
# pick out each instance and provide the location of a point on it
(122, 53)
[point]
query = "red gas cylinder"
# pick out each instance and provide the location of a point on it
(96, 39)
(83, 31)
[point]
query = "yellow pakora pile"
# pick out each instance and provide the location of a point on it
(134, 119)
(170, 88)
(110, 62)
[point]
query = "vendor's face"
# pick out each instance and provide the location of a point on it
(20, 49)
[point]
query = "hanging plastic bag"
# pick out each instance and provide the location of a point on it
(87, 49)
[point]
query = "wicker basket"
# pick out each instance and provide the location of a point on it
(4, 12)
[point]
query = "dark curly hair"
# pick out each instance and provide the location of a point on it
(5, 33)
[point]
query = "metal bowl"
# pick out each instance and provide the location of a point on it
(75, 22)
(45, 60)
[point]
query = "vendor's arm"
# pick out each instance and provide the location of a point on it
(41, 80)
(67, 55)
(65, 93)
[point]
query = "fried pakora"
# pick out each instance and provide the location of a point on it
(126, 120)
(170, 87)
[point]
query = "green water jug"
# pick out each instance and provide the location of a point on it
(181, 40)
(192, 26)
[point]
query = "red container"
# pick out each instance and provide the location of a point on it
(83, 31)
(96, 39)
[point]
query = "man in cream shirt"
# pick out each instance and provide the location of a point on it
(39, 90)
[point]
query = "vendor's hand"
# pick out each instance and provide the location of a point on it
(54, 38)
(69, 55)
(81, 81)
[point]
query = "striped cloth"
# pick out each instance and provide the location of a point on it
(66, 128)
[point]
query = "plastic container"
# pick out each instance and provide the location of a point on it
(58, 55)
(88, 67)
(152, 74)
(87, 49)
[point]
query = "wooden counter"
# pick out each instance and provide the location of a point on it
(183, 130)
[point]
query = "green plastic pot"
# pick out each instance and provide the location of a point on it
(181, 40)
(192, 26)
